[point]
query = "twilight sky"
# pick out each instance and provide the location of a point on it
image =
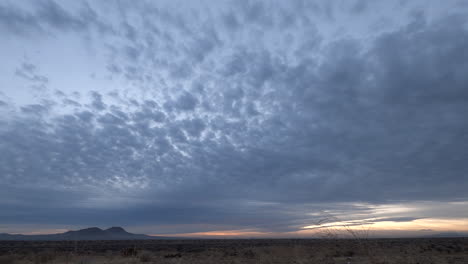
(234, 118)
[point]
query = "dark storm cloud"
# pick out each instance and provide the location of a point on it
(248, 135)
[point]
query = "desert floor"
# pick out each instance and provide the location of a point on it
(422, 251)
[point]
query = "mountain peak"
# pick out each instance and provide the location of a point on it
(90, 231)
(116, 229)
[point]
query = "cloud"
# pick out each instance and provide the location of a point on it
(54, 15)
(48, 16)
(186, 102)
(16, 21)
(397, 219)
(28, 71)
(97, 102)
(226, 121)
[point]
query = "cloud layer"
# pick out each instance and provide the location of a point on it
(238, 116)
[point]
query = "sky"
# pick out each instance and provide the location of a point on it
(234, 118)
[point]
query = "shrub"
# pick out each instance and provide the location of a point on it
(44, 257)
(129, 252)
(145, 257)
(85, 260)
(6, 259)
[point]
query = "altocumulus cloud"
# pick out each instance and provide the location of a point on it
(229, 115)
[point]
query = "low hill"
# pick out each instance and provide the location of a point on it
(92, 233)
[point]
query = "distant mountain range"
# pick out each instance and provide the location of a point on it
(449, 234)
(118, 233)
(92, 233)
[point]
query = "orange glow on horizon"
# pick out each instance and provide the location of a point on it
(460, 225)
(220, 233)
(415, 225)
(383, 228)
(44, 232)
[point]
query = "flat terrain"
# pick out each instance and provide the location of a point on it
(422, 251)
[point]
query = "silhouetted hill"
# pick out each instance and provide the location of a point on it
(449, 234)
(92, 233)
(117, 230)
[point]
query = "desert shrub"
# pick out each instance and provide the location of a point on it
(177, 255)
(85, 260)
(44, 257)
(230, 253)
(249, 254)
(129, 252)
(7, 259)
(145, 256)
(109, 253)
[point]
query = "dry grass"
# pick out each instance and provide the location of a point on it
(336, 251)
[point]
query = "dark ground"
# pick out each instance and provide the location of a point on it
(421, 250)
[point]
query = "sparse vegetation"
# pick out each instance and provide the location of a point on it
(7, 259)
(331, 227)
(250, 251)
(146, 256)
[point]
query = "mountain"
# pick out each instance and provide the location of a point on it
(449, 234)
(92, 233)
